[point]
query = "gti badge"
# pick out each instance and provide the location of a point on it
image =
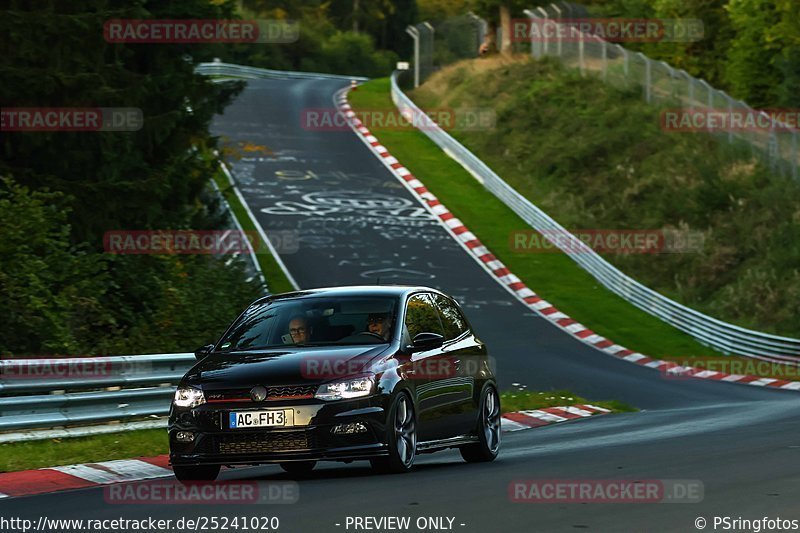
(258, 393)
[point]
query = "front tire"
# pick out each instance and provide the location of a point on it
(196, 472)
(401, 435)
(488, 445)
(298, 467)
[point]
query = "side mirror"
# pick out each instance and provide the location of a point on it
(204, 351)
(426, 341)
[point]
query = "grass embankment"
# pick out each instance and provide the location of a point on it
(594, 156)
(276, 279)
(15, 456)
(522, 400)
(553, 276)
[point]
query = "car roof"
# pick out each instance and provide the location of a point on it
(351, 290)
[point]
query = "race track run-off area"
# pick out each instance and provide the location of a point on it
(346, 219)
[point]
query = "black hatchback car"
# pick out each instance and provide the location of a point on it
(374, 372)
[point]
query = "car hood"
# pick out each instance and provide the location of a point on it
(282, 366)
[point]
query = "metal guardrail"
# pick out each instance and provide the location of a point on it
(241, 71)
(725, 337)
(46, 393)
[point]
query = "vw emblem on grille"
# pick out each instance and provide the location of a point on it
(258, 393)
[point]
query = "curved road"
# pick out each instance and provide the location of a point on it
(355, 224)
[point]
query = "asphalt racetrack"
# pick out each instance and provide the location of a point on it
(348, 221)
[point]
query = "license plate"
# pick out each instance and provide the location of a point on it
(260, 419)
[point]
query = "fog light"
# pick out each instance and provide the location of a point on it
(349, 429)
(184, 436)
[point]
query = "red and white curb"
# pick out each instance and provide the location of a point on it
(516, 287)
(61, 478)
(548, 415)
(69, 477)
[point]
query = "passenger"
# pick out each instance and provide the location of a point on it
(299, 330)
(380, 324)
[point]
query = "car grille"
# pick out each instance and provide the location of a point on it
(280, 392)
(290, 391)
(279, 441)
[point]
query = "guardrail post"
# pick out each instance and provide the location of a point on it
(647, 77)
(544, 25)
(604, 55)
(414, 33)
(558, 11)
(730, 114)
(536, 45)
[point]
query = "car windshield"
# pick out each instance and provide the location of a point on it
(312, 321)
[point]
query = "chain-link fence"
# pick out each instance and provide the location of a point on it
(661, 84)
(445, 42)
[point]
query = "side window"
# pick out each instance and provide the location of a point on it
(421, 316)
(452, 320)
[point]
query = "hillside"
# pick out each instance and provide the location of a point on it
(595, 157)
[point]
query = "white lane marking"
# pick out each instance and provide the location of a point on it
(3, 495)
(601, 409)
(509, 425)
(634, 357)
(575, 328)
(614, 348)
(577, 411)
(114, 471)
(526, 292)
(549, 417)
(439, 210)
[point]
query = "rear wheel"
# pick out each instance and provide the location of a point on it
(298, 467)
(401, 437)
(196, 472)
(488, 445)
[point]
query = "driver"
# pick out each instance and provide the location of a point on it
(380, 324)
(299, 329)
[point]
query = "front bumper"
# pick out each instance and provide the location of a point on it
(310, 438)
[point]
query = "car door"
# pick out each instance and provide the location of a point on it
(461, 359)
(421, 316)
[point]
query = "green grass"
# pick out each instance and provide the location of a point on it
(553, 276)
(276, 279)
(17, 456)
(521, 400)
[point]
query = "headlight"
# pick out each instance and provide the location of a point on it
(188, 397)
(348, 388)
